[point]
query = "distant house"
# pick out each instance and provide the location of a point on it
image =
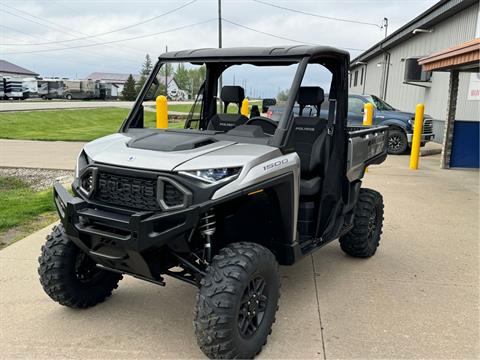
(9, 69)
(173, 91)
(117, 80)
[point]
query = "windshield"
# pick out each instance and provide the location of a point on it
(380, 104)
(199, 99)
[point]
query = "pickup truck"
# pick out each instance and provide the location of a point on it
(400, 123)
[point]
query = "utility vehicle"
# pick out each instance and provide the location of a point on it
(222, 202)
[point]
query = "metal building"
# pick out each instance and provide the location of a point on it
(10, 69)
(390, 68)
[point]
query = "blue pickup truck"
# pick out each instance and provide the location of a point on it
(399, 122)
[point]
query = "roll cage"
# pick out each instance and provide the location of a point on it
(218, 60)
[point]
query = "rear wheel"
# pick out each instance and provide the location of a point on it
(69, 276)
(237, 302)
(397, 142)
(363, 239)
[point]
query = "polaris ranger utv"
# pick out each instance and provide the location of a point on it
(220, 203)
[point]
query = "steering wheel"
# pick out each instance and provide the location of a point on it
(268, 125)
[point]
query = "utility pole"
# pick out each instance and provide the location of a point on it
(220, 82)
(385, 25)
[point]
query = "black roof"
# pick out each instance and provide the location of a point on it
(274, 54)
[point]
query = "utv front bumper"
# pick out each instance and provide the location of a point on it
(116, 240)
(129, 242)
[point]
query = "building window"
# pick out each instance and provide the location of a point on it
(351, 78)
(361, 77)
(355, 81)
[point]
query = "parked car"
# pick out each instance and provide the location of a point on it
(399, 122)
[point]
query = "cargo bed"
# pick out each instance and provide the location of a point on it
(367, 145)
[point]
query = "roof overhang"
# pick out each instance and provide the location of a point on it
(463, 57)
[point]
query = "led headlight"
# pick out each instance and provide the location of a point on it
(215, 175)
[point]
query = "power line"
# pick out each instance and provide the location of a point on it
(281, 37)
(91, 53)
(116, 41)
(58, 27)
(111, 31)
(316, 15)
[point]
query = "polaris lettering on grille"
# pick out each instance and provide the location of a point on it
(134, 189)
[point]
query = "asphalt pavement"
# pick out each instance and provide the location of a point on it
(417, 298)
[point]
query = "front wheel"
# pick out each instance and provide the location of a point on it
(397, 142)
(69, 276)
(237, 302)
(363, 239)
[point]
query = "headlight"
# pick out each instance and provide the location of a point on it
(213, 176)
(82, 162)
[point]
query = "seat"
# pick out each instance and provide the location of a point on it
(225, 122)
(309, 139)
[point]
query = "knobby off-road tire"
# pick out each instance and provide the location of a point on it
(69, 276)
(239, 293)
(363, 239)
(397, 142)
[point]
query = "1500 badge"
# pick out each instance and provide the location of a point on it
(275, 164)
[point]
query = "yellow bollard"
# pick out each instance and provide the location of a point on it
(162, 112)
(244, 108)
(368, 118)
(368, 114)
(417, 136)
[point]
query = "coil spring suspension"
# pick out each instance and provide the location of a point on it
(207, 229)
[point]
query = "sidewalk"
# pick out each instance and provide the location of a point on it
(39, 154)
(418, 297)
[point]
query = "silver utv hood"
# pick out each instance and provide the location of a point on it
(115, 150)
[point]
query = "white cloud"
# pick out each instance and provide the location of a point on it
(63, 20)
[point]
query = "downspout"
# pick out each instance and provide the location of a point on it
(387, 72)
(364, 79)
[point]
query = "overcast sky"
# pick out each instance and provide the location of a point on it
(26, 24)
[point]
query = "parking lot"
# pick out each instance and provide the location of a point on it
(418, 297)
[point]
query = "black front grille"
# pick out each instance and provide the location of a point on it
(172, 195)
(126, 191)
(427, 126)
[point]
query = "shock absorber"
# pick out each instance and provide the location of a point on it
(207, 229)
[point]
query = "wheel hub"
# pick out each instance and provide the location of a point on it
(85, 268)
(252, 307)
(394, 142)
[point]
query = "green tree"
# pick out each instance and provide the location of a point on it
(147, 66)
(129, 92)
(182, 77)
(144, 72)
(282, 95)
(197, 77)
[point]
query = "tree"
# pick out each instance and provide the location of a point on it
(282, 95)
(147, 66)
(182, 77)
(129, 93)
(144, 72)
